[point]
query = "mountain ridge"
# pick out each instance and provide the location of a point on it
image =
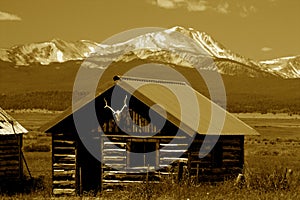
(197, 49)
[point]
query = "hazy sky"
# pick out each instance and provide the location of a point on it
(259, 29)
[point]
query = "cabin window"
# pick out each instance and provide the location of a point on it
(143, 158)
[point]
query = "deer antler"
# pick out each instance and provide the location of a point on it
(125, 105)
(116, 113)
(107, 106)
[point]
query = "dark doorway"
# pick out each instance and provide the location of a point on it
(88, 171)
(142, 157)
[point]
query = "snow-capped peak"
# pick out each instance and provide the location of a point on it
(166, 46)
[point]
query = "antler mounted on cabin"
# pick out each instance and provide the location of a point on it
(116, 113)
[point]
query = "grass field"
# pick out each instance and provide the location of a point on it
(267, 157)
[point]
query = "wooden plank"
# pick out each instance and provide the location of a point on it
(9, 157)
(5, 148)
(114, 157)
(143, 137)
(115, 162)
(115, 145)
(64, 184)
(114, 153)
(9, 151)
(114, 150)
(64, 166)
(57, 191)
(9, 172)
(63, 143)
(9, 163)
(64, 155)
(64, 151)
(10, 142)
(183, 145)
(229, 162)
(232, 148)
(67, 160)
(172, 150)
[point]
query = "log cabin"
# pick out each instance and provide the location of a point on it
(11, 161)
(137, 130)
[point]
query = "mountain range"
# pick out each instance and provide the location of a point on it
(176, 46)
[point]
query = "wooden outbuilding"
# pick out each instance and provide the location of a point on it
(140, 129)
(11, 161)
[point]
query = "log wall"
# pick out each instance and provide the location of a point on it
(63, 164)
(11, 165)
(71, 171)
(224, 161)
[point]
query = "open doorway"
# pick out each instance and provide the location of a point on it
(140, 156)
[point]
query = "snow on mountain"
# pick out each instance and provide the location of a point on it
(196, 49)
(47, 52)
(287, 67)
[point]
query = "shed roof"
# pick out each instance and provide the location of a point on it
(182, 104)
(8, 125)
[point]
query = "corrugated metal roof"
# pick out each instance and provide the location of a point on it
(182, 111)
(184, 105)
(9, 125)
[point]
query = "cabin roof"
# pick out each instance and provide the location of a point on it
(192, 105)
(8, 125)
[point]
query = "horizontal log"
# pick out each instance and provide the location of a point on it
(58, 191)
(107, 168)
(63, 176)
(10, 151)
(64, 165)
(116, 153)
(114, 150)
(119, 183)
(9, 157)
(63, 143)
(172, 150)
(173, 145)
(5, 148)
(228, 162)
(63, 173)
(10, 163)
(173, 158)
(172, 154)
(11, 172)
(64, 155)
(114, 157)
(143, 137)
(66, 160)
(10, 142)
(232, 141)
(64, 147)
(232, 148)
(114, 161)
(233, 144)
(62, 137)
(64, 184)
(165, 140)
(64, 151)
(229, 155)
(114, 146)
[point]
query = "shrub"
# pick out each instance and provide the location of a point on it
(278, 178)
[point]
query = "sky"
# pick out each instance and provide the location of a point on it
(257, 29)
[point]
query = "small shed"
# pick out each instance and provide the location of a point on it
(126, 145)
(11, 161)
